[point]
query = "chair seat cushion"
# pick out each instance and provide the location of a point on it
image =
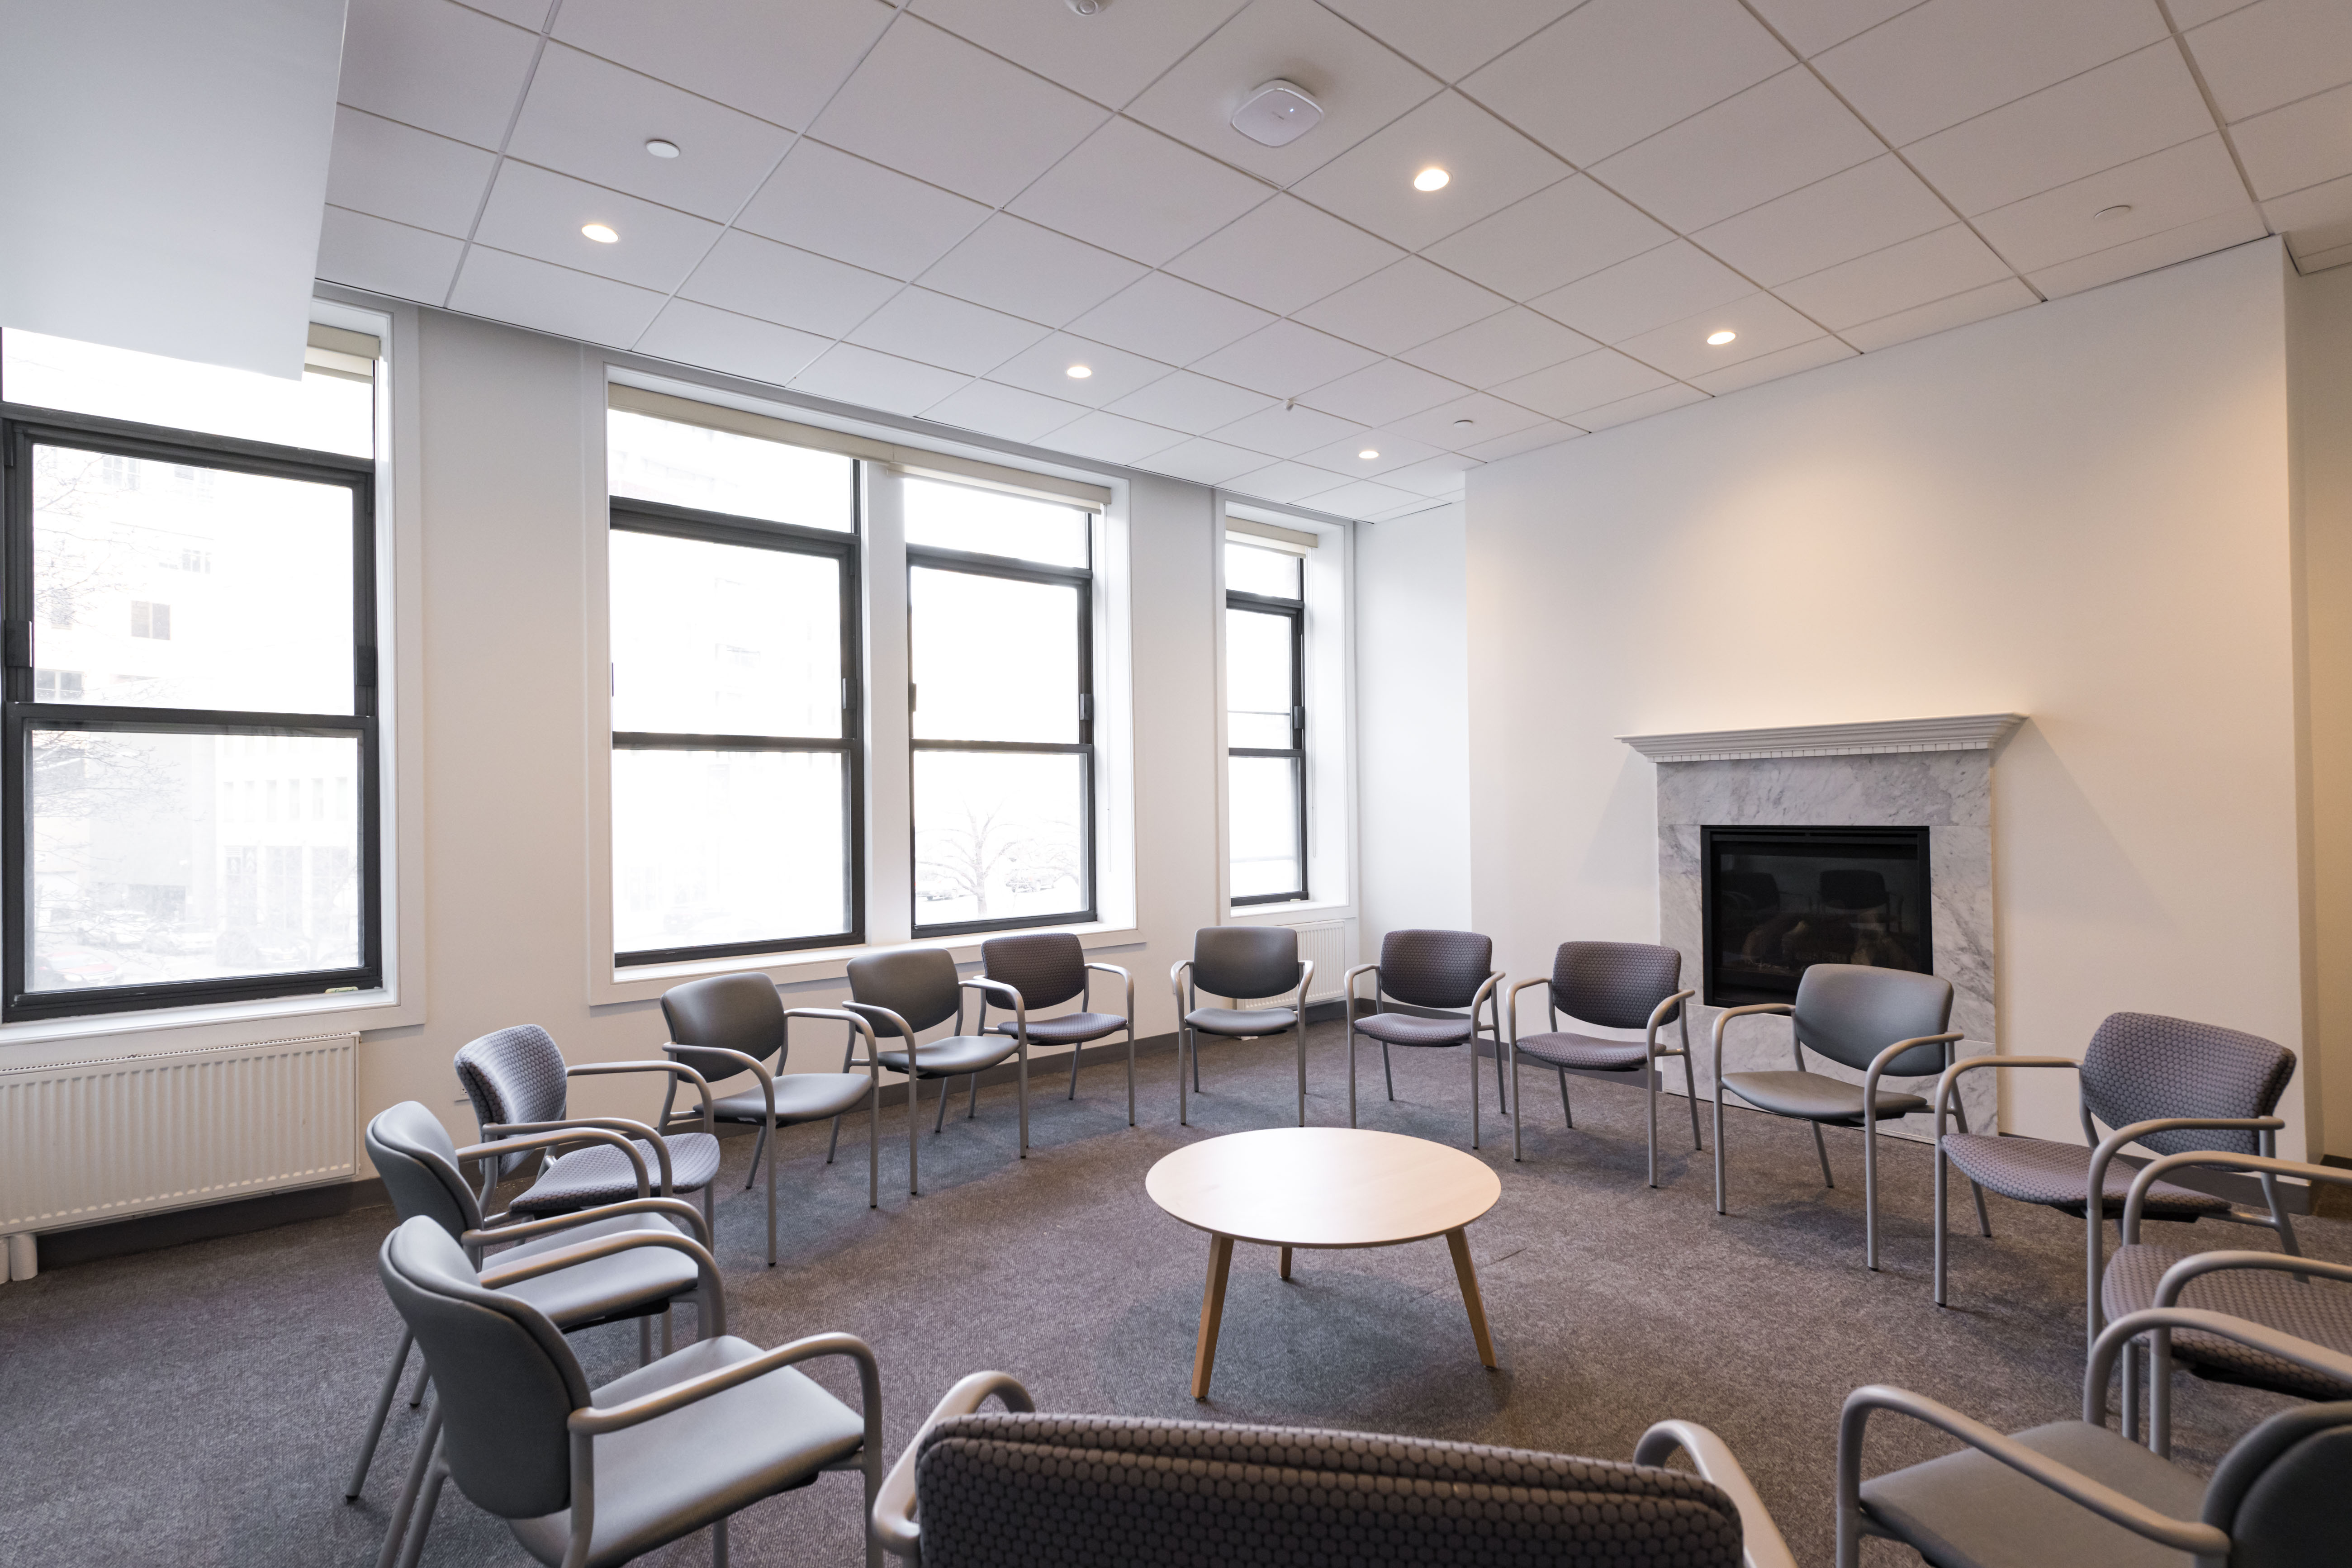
(1970, 1511)
(1066, 1028)
(956, 1054)
(800, 1097)
(1241, 1022)
(1586, 1051)
(600, 1173)
(2037, 1170)
(1411, 1029)
(624, 1285)
(2319, 1310)
(673, 1475)
(1814, 1096)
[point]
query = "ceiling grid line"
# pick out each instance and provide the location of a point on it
(514, 118)
(2213, 107)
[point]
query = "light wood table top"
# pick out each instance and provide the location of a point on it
(1323, 1187)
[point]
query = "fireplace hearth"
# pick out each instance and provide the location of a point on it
(1776, 900)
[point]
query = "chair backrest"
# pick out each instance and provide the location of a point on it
(411, 1150)
(731, 1012)
(506, 1381)
(1003, 1489)
(2279, 1492)
(918, 983)
(1047, 968)
(1851, 1012)
(2140, 1067)
(513, 1074)
(1244, 962)
(1616, 984)
(1436, 968)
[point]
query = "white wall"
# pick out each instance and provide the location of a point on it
(2079, 512)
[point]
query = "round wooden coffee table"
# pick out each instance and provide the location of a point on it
(1322, 1188)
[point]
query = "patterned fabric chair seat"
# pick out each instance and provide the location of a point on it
(2319, 1310)
(1069, 1029)
(2035, 1170)
(1815, 1096)
(1410, 1029)
(1587, 1052)
(952, 1056)
(600, 1173)
(1240, 1022)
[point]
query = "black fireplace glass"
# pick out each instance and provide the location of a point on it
(1777, 901)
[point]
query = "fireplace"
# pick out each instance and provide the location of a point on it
(1776, 900)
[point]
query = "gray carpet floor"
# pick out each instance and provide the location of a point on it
(199, 1405)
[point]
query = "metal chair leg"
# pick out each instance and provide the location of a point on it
(416, 1390)
(1131, 1072)
(396, 1530)
(1351, 1072)
(1941, 1223)
(1473, 1091)
(1719, 1145)
(972, 1109)
(1821, 1148)
(413, 1548)
(719, 1544)
(1649, 1092)
(758, 1149)
(1299, 1028)
(1386, 1071)
(383, 1409)
(914, 1122)
(1517, 1105)
(1077, 1051)
(941, 1121)
(833, 1144)
(1690, 1093)
(1183, 1096)
(1196, 1061)
(1502, 1097)
(646, 1342)
(1564, 1111)
(1021, 1092)
(1984, 1220)
(873, 1148)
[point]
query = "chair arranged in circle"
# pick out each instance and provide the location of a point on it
(1046, 970)
(1429, 973)
(1611, 985)
(902, 993)
(1240, 963)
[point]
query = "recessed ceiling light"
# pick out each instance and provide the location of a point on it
(1079, 372)
(1717, 340)
(661, 149)
(1369, 453)
(2118, 210)
(600, 233)
(1431, 179)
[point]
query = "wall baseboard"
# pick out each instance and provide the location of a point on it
(152, 1232)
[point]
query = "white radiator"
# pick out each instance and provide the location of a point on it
(86, 1141)
(1325, 945)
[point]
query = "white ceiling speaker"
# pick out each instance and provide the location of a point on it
(1277, 114)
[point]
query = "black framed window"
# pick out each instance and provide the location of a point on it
(1000, 591)
(1265, 724)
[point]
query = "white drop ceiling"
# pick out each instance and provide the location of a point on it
(933, 209)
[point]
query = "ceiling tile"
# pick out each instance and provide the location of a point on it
(1466, 422)
(1283, 430)
(723, 341)
(1812, 26)
(387, 258)
(825, 200)
(526, 292)
(1193, 403)
(1381, 393)
(1008, 264)
(1586, 382)
(1283, 360)
(1450, 40)
(1652, 289)
(1133, 191)
(2216, 232)
(530, 14)
(2163, 191)
(1112, 438)
(930, 105)
(435, 66)
(1615, 71)
(1933, 266)
(1111, 56)
(1284, 254)
(1959, 311)
(1013, 413)
(1639, 407)
(1776, 137)
(410, 176)
(950, 334)
(1492, 166)
(1772, 366)
(1533, 438)
(1512, 343)
(1866, 208)
(590, 120)
(2318, 218)
(534, 213)
(1555, 237)
(2303, 145)
(1399, 306)
(779, 62)
(2188, 14)
(1365, 497)
(1439, 476)
(869, 379)
(1345, 456)
(755, 277)
(1204, 462)
(1950, 60)
(1680, 349)
(2275, 53)
(2321, 260)
(1168, 319)
(1284, 484)
(1046, 369)
(1359, 85)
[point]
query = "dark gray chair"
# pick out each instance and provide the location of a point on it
(1046, 970)
(730, 1025)
(1877, 1022)
(1240, 963)
(590, 1477)
(1427, 972)
(902, 993)
(2073, 1494)
(2165, 1083)
(1615, 986)
(1081, 1492)
(518, 1085)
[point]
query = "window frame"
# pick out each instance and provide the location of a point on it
(848, 548)
(22, 428)
(1295, 610)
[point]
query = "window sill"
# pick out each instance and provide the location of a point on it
(1283, 915)
(224, 1023)
(821, 965)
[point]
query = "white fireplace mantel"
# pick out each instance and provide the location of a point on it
(1970, 733)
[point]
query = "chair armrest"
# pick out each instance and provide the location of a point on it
(1514, 1002)
(1952, 1077)
(2260, 1336)
(675, 1070)
(594, 1422)
(894, 1505)
(1723, 1022)
(638, 1129)
(2153, 1172)
(1125, 979)
(984, 985)
(1488, 992)
(873, 1062)
(879, 1018)
(1761, 1544)
(1879, 1065)
(744, 1062)
(1306, 979)
(713, 1310)
(1347, 987)
(525, 1230)
(2177, 1278)
(551, 1134)
(1657, 1021)
(2095, 1181)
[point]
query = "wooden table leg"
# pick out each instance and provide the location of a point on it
(1286, 1263)
(1212, 1312)
(1459, 1244)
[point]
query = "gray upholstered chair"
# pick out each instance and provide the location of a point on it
(2164, 1083)
(1613, 985)
(518, 1085)
(1046, 969)
(1878, 1022)
(902, 993)
(590, 1477)
(1240, 963)
(1427, 972)
(420, 1167)
(730, 1025)
(1075, 1491)
(2072, 1493)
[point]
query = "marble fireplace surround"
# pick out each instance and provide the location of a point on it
(1904, 772)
